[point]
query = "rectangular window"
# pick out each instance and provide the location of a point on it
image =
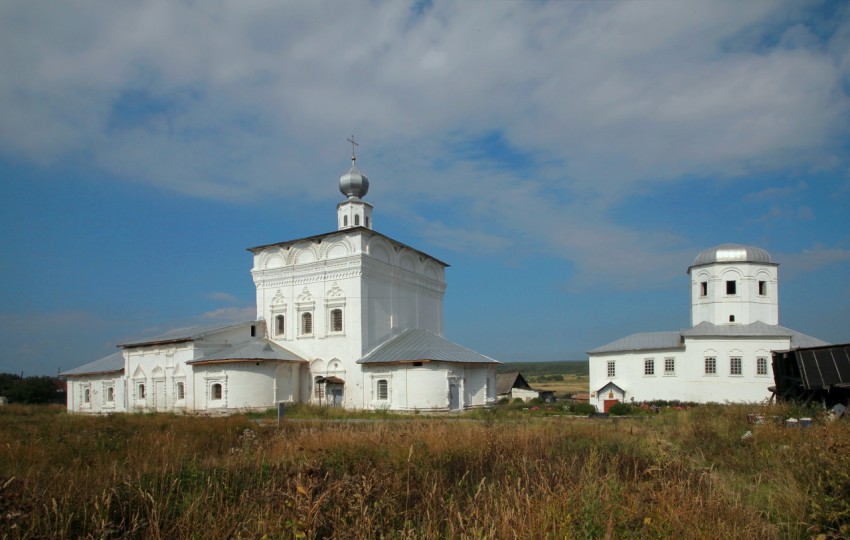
(336, 320)
(735, 365)
(110, 394)
(383, 390)
(703, 288)
(612, 369)
(761, 365)
(649, 366)
(730, 287)
(762, 288)
(669, 366)
(710, 365)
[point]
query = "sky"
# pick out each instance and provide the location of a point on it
(569, 160)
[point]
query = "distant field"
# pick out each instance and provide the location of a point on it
(544, 375)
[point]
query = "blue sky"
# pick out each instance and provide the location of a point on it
(568, 159)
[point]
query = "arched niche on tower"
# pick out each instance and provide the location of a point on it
(337, 250)
(432, 271)
(407, 261)
(380, 249)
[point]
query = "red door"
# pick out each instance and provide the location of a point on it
(606, 405)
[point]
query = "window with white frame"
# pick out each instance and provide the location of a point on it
(735, 365)
(612, 368)
(649, 366)
(180, 391)
(710, 365)
(669, 366)
(110, 394)
(279, 325)
(731, 287)
(762, 288)
(383, 390)
(86, 395)
(703, 289)
(761, 365)
(216, 391)
(140, 391)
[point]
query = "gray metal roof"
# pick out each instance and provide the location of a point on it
(421, 345)
(643, 341)
(756, 329)
(259, 349)
(184, 334)
(732, 253)
(108, 364)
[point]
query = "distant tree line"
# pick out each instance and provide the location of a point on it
(40, 389)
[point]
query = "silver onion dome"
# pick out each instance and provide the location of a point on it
(354, 184)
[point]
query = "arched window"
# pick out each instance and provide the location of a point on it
(279, 325)
(215, 391)
(307, 324)
(345, 221)
(357, 221)
(142, 391)
(181, 392)
(336, 320)
(383, 389)
(87, 395)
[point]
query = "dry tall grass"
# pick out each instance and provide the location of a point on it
(684, 474)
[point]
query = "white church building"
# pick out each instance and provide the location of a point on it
(726, 354)
(349, 318)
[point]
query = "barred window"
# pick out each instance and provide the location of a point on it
(669, 366)
(110, 394)
(306, 324)
(649, 366)
(383, 389)
(761, 365)
(336, 320)
(181, 392)
(87, 395)
(142, 391)
(735, 365)
(710, 365)
(612, 368)
(215, 391)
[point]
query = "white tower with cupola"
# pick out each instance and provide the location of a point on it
(733, 284)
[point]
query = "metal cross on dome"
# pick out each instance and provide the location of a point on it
(353, 144)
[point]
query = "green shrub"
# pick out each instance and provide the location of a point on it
(620, 409)
(582, 409)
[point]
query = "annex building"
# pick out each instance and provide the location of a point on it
(349, 318)
(726, 354)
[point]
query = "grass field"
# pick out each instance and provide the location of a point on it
(504, 473)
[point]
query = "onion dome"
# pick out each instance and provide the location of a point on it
(732, 253)
(354, 184)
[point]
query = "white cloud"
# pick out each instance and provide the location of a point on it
(238, 101)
